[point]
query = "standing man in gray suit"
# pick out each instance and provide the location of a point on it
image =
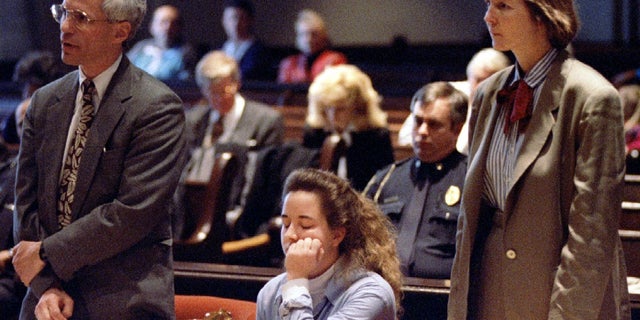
(100, 157)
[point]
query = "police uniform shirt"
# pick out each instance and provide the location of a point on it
(392, 187)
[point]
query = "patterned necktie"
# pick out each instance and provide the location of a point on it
(213, 133)
(72, 159)
(517, 98)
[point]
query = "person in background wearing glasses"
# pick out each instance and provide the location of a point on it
(100, 156)
(227, 121)
(165, 56)
(244, 122)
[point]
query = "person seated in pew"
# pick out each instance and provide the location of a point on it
(34, 70)
(228, 117)
(165, 55)
(12, 290)
(228, 121)
(312, 39)
(252, 55)
(421, 195)
(483, 64)
(340, 255)
(342, 101)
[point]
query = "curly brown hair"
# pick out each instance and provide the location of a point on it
(369, 241)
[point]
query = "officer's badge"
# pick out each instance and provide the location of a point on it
(452, 196)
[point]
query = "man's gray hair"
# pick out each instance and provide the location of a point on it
(132, 11)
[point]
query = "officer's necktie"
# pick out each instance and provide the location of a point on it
(411, 222)
(73, 157)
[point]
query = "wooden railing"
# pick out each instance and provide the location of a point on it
(423, 298)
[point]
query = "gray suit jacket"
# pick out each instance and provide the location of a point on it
(114, 258)
(565, 259)
(259, 126)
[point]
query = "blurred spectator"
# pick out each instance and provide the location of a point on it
(165, 56)
(228, 122)
(33, 71)
(244, 122)
(312, 39)
(626, 77)
(252, 56)
(482, 65)
(342, 101)
(630, 100)
(11, 288)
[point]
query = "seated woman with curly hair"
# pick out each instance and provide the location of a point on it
(340, 255)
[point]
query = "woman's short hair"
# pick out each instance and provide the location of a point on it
(560, 18)
(132, 11)
(348, 86)
(214, 66)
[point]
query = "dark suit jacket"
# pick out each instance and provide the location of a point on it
(370, 151)
(256, 63)
(273, 166)
(114, 258)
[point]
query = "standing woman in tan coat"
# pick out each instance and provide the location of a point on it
(538, 235)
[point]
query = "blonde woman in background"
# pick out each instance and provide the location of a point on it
(342, 101)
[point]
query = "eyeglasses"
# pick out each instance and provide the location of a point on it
(79, 17)
(217, 89)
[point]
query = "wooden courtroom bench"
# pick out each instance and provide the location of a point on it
(423, 298)
(630, 224)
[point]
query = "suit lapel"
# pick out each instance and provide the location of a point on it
(110, 111)
(482, 141)
(242, 133)
(542, 121)
(58, 118)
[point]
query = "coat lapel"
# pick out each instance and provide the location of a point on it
(110, 111)
(58, 118)
(542, 122)
(482, 140)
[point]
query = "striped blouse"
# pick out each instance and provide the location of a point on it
(504, 148)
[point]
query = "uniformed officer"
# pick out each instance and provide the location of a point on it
(421, 194)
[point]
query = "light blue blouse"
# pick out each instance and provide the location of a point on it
(366, 296)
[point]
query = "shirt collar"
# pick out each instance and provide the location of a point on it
(538, 73)
(234, 113)
(435, 170)
(102, 80)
